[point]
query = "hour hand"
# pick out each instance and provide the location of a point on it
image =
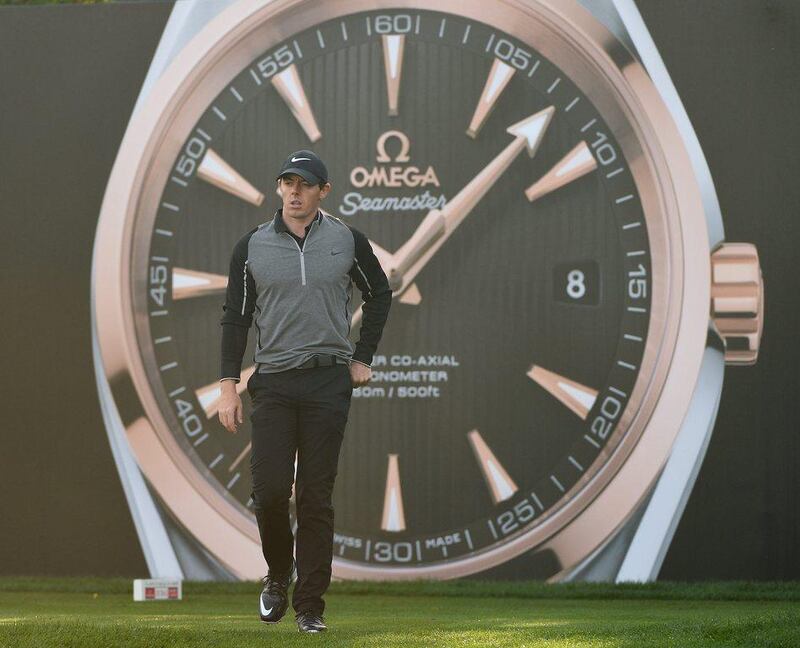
(410, 294)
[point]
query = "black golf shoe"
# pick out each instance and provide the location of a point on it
(274, 598)
(310, 622)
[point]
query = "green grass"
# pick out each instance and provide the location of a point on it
(90, 613)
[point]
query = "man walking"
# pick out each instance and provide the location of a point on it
(294, 275)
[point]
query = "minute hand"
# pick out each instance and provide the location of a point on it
(438, 225)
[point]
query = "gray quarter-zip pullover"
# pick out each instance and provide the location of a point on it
(300, 297)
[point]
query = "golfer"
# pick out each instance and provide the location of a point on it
(294, 276)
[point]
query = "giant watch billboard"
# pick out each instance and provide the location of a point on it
(554, 245)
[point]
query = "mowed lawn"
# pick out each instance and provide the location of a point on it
(90, 613)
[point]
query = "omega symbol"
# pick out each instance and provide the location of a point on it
(394, 175)
(405, 145)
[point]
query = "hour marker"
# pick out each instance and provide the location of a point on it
(626, 365)
(320, 39)
(216, 171)
(579, 398)
(441, 28)
(588, 125)
(236, 94)
(632, 338)
(393, 517)
(163, 232)
(233, 480)
(393, 47)
(216, 461)
(557, 483)
(466, 34)
(499, 76)
(193, 283)
(578, 162)
(170, 206)
(169, 365)
(219, 113)
(179, 182)
(624, 199)
(241, 456)
(344, 30)
(208, 396)
(614, 172)
(553, 85)
(534, 67)
(288, 85)
(161, 340)
(632, 225)
(571, 104)
(158, 312)
(200, 439)
(500, 484)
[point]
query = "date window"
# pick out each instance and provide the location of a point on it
(577, 283)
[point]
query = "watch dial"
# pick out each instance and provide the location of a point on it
(507, 361)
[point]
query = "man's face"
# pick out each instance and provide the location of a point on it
(301, 198)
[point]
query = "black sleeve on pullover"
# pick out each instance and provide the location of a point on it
(237, 317)
(376, 293)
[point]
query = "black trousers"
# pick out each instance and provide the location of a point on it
(301, 411)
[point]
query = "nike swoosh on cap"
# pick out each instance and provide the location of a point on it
(298, 159)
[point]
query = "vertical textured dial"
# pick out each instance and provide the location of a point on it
(500, 204)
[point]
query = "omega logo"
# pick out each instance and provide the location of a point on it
(393, 175)
(392, 172)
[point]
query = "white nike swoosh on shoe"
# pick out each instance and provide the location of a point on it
(298, 159)
(264, 611)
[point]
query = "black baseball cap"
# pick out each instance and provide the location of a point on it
(307, 165)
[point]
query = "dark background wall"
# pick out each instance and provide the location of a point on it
(69, 76)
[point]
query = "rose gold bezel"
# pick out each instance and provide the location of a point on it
(567, 34)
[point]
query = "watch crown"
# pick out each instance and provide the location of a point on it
(737, 301)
